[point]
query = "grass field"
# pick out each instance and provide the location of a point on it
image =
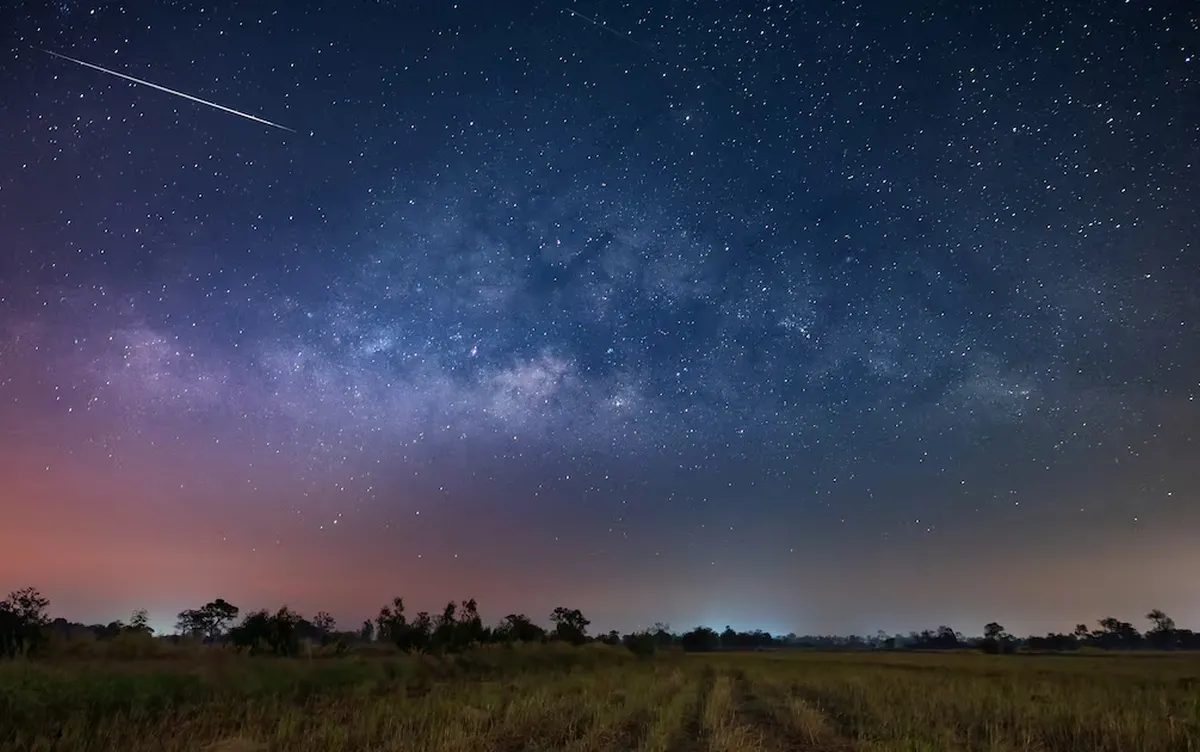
(597, 698)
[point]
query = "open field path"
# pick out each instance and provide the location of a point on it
(678, 727)
(722, 726)
(603, 712)
(795, 723)
(623, 719)
(863, 713)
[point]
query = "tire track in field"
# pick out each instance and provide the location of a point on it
(631, 724)
(805, 724)
(691, 735)
(721, 722)
(836, 715)
(549, 718)
(668, 719)
(755, 713)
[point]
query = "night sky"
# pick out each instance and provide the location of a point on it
(814, 317)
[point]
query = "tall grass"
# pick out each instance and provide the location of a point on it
(598, 698)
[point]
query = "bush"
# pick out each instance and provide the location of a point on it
(993, 646)
(642, 644)
(132, 645)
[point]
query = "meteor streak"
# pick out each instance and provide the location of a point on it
(214, 105)
(600, 24)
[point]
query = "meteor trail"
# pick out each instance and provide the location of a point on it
(602, 25)
(214, 105)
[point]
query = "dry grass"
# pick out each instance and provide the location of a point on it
(595, 699)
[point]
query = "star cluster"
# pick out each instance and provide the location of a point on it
(823, 317)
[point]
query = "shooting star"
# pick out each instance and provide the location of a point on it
(214, 105)
(601, 25)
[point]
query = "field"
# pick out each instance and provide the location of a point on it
(599, 698)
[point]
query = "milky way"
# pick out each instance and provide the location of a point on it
(824, 318)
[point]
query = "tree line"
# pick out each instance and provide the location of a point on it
(26, 628)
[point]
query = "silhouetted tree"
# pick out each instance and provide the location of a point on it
(661, 631)
(324, 623)
(947, 637)
(995, 639)
(570, 625)
(444, 628)
(419, 634)
(261, 629)
(729, 638)
(25, 625)
(283, 631)
(643, 643)
(1186, 639)
(423, 632)
(1163, 635)
(23, 620)
(470, 630)
(391, 624)
(209, 621)
(1054, 641)
(139, 621)
(756, 640)
(519, 628)
(944, 638)
(1117, 634)
(1162, 622)
(700, 640)
(253, 633)
(1120, 633)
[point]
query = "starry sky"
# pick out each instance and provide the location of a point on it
(819, 317)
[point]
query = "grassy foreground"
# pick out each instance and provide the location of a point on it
(598, 698)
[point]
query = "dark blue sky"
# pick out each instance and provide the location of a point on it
(815, 317)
